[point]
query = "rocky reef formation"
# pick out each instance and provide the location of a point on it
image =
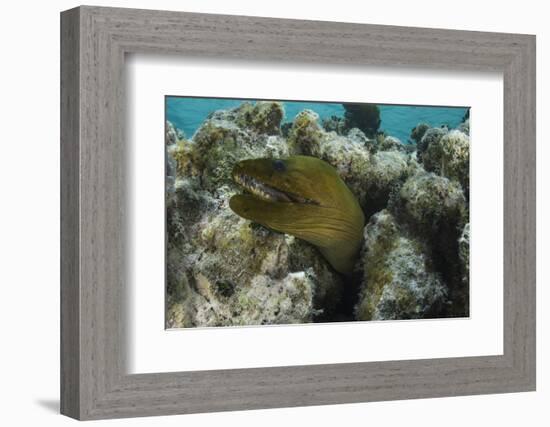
(418, 132)
(225, 138)
(429, 136)
(400, 281)
(434, 209)
(464, 256)
(365, 117)
(223, 270)
(450, 156)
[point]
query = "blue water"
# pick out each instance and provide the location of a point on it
(188, 114)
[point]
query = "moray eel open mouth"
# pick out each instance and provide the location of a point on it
(302, 196)
(267, 193)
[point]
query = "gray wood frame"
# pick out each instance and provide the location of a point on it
(94, 41)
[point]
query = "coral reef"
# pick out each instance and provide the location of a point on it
(358, 136)
(399, 280)
(435, 209)
(264, 301)
(462, 291)
(173, 134)
(221, 141)
(263, 117)
(363, 116)
(390, 143)
(429, 202)
(464, 250)
(305, 134)
(387, 171)
(336, 124)
(464, 127)
(430, 136)
(224, 270)
(221, 269)
(244, 274)
(449, 156)
(418, 132)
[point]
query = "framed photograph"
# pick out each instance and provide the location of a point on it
(261, 213)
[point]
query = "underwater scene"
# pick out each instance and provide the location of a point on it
(293, 212)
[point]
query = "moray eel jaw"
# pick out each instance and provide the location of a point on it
(302, 196)
(265, 192)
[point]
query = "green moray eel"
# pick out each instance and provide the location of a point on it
(302, 196)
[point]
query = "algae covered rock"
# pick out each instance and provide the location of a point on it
(363, 116)
(434, 210)
(399, 279)
(328, 285)
(450, 156)
(305, 134)
(336, 124)
(220, 142)
(431, 203)
(464, 256)
(186, 202)
(390, 143)
(430, 136)
(262, 117)
(221, 269)
(238, 273)
(386, 172)
(464, 127)
(349, 157)
(210, 154)
(173, 134)
(358, 136)
(264, 301)
(464, 248)
(418, 132)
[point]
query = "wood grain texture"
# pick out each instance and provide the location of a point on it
(94, 382)
(70, 290)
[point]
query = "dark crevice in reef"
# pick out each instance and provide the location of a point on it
(344, 309)
(444, 255)
(352, 289)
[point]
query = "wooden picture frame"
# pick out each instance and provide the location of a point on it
(94, 41)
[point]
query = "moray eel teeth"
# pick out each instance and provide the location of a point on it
(302, 196)
(268, 193)
(260, 189)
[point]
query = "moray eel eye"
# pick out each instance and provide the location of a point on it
(279, 165)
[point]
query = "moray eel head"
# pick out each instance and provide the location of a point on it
(302, 196)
